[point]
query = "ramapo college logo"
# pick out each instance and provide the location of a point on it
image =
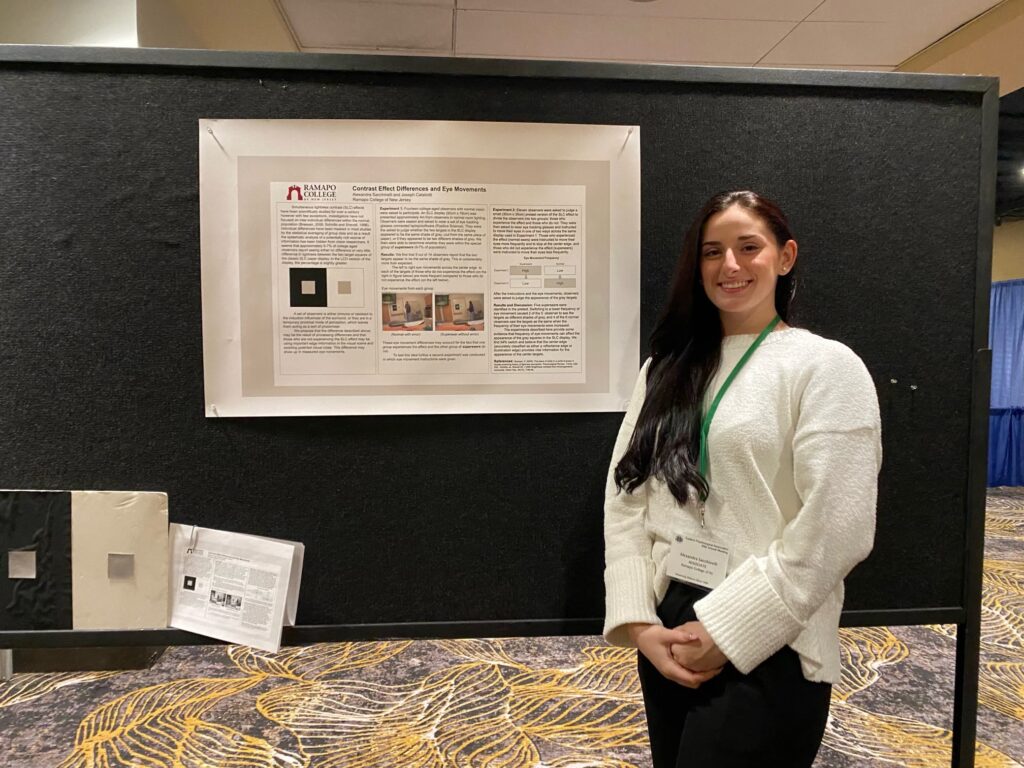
(298, 192)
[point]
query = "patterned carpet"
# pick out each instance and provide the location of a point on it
(552, 702)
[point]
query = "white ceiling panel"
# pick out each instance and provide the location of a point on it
(615, 38)
(758, 10)
(842, 42)
(874, 34)
(329, 24)
(950, 13)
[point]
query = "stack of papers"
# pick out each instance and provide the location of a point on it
(233, 586)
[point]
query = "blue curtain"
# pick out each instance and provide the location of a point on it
(1006, 418)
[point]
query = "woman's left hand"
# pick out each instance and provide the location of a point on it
(700, 654)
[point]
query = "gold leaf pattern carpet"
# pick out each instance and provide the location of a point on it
(509, 703)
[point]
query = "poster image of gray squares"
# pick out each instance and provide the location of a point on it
(224, 600)
(190, 583)
(307, 286)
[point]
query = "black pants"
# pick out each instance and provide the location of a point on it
(770, 717)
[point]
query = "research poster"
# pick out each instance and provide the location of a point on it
(383, 267)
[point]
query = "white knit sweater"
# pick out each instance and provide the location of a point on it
(795, 450)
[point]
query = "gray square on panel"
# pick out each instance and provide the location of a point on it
(120, 566)
(21, 565)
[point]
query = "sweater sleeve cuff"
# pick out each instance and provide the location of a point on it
(629, 591)
(746, 618)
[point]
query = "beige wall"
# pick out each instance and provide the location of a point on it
(225, 25)
(992, 44)
(230, 25)
(1008, 251)
(68, 22)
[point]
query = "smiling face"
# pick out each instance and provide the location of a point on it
(740, 262)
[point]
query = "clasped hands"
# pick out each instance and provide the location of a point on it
(686, 655)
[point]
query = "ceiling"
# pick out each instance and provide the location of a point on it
(857, 34)
(844, 34)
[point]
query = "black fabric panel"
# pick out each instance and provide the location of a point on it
(40, 522)
(496, 517)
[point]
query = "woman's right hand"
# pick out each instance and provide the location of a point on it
(655, 642)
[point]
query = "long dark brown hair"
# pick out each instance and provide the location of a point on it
(685, 355)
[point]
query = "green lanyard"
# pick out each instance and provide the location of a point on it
(705, 426)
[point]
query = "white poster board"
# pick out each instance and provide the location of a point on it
(383, 267)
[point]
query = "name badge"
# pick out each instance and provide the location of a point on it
(701, 562)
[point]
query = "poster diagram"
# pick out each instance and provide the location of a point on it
(370, 267)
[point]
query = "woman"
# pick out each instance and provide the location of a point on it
(725, 555)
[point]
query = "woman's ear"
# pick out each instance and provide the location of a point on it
(789, 253)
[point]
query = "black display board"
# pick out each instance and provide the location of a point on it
(490, 524)
(487, 523)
